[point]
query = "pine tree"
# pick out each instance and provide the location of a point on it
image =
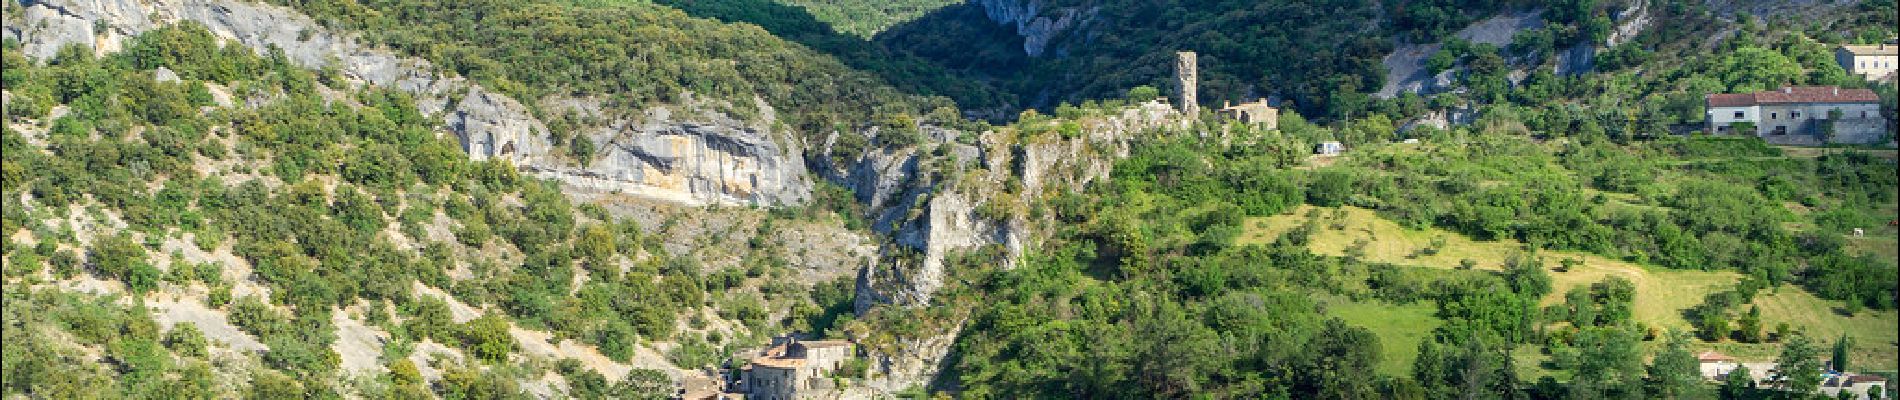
(1840, 352)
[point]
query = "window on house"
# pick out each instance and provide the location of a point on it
(1794, 115)
(1738, 114)
(1774, 115)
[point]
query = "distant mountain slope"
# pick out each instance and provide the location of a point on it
(868, 18)
(1319, 55)
(631, 53)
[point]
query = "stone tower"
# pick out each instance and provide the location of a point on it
(1186, 74)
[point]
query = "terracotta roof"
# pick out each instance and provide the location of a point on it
(1872, 50)
(1731, 100)
(780, 363)
(1794, 95)
(1711, 355)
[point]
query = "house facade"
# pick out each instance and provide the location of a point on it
(1716, 366)
(1874, 62)
(1803, 115)
(793, 369)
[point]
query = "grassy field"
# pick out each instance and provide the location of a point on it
(1400, 328)
(1661, 296)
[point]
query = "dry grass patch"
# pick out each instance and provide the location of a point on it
(1661, 296)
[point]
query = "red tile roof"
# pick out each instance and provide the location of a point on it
(1731, 100)
(1794, 95)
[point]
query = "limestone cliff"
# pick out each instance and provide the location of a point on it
(694, 161)
(688, 154)
(973, 196)
(1038, 23)
(936, 204)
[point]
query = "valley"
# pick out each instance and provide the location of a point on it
(851, 199)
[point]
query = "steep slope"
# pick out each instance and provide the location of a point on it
(320, 233)
(1066, 51)
(866, 19)
(735, 161)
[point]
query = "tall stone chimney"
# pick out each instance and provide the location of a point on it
(1186, 74)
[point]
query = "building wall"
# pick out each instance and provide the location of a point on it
(1804, 124)
(773, 383)
(826, 359)
(1858, 120)
(1720, 117)
(1714, 370)
(1870, 66)
(1861, 131)
(1267, 117)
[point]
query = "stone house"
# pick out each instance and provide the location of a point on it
(791, 368)
(1857, 385)
(1715, 366)
(1800, 115)
(1254, 113)
(1874, 62)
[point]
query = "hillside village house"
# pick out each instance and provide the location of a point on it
(1875, 62)
(793, 369)
(1858, 386)
(1716, 365)
(1255, 113)
(1800, 115)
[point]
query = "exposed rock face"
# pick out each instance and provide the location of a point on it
(948, 218)
(1034, 21)
(916, 363)
(494, 126)
(1405, 66)
(691, 164)
(1441, 119)
(951, 219)
(1580, 59)
(1576, 60)
(1630, 21)
(706, 159)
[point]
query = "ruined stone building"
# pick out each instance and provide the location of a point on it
(1800, 115)
(793, 369)
(1255, 113)
(1186, 76)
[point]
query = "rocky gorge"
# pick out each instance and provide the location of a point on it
(931, 200)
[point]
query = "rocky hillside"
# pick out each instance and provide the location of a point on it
(938, 192)
(367, 160)
(604, 198)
